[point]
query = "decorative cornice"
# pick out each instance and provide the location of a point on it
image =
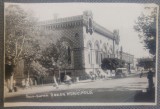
(73, 21)
(62, 22)
(100, 29)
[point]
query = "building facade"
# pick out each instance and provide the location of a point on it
(87, 42)
(128, 58)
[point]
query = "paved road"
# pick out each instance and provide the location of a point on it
(132, 83)
(114, 90)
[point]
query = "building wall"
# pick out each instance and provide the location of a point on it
(105, 50)
(73, 35)
(128, 58)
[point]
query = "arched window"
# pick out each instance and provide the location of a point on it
(67, 51)
(101, 57)
(69, 55)
(105, 52)
(108, 55)
(97, 53)
(90, 23)
(90, 53)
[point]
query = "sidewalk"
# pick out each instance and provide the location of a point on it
(63, 86)
(44, 88)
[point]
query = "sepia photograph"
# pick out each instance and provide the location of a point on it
(80, 54)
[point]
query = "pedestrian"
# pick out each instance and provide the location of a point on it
(141, 74)
(9, 75)
(150, 79)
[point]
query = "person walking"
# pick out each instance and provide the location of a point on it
(9, 76)
(150, 79)
(141, 74)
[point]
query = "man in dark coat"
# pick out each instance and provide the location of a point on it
(150, 79)
(9, 76)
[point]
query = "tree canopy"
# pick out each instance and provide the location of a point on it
(146, 63)
(146, 27)
(112, 63)
(55, 55)
(20, 34)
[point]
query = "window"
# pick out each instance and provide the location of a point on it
(90, 23)
(69, 55)
(89, 58)
(101, 57)
(105, 52)
(76, 35)
(97, 53)
(90, 53)
(66, 49)
(96, 56)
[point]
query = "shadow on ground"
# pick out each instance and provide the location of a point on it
(148, 96)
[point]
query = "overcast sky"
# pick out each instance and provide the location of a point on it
(111, 16)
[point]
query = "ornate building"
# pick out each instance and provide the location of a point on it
(88, 43)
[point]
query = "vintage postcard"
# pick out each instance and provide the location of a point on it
(80, 54)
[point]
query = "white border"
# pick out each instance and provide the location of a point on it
(28, 104)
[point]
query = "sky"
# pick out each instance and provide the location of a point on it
(109, 15)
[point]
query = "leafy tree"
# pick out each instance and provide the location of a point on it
(20, 35)
(146, 63)
(49, 56)
(55, 56)
(64, 56)
(112, 63)
(39, 69)
(146, 27)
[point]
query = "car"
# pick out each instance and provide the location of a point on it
(121, 72)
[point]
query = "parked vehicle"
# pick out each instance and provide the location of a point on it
(121, 72)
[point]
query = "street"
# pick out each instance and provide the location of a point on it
(130, 89)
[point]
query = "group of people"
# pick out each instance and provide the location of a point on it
(67, 79)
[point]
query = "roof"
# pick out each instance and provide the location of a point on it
(76, 21)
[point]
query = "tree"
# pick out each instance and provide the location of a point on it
(64, 53)
(20, 34)
(146, 27)
(39, 69)
(112, 63)
(146, 63)
(48, 57)
(56, 54)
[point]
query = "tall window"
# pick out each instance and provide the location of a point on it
(90, 23)
(69, 55)
(97, 53)
(96, 56)
(90, 53)
(89, 60)
(101, 57)
(66, 50)
(105, 52)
